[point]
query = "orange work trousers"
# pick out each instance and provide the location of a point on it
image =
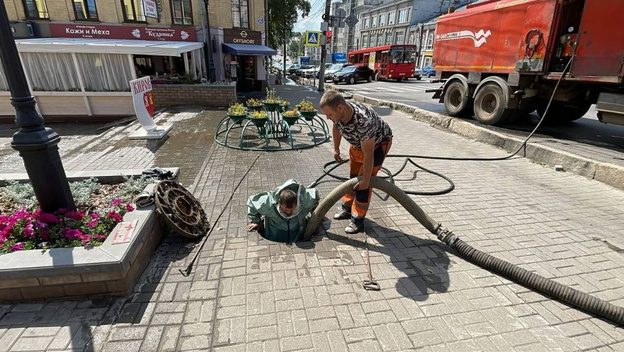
(357, 202)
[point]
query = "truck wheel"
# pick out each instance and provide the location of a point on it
(489, 105)
(456, 101)
(561, 112)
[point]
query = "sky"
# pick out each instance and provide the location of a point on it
(313, 20)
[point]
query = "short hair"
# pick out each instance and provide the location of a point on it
(287, 198)
(332, 99)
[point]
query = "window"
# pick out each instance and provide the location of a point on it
(429, 42)
(367, 22)
(427, 61)
(36, 9)
(85, 10)
(403, 16)
(382, 20)
(380, 40)
(133, 10)
(374, 21)
(373, 40)
(181, 12)
(388, 38)
(391, 17)
(399, 38)
(240, 13)
(364, 41)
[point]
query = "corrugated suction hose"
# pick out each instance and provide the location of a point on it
(521, 276)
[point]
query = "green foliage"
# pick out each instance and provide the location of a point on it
(82, 190)
(20, 193)
(282, 16)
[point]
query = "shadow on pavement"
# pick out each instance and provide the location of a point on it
(424, 262)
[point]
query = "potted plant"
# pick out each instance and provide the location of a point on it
(237, 112)
(307, 110)
(259, 118)
(291, 116)
(254, 104)
(284, 105)
(271, 103)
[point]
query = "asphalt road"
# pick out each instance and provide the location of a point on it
(587, 130)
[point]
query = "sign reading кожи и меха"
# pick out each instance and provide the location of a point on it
(70, 30)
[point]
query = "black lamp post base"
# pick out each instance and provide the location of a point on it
(39, 149)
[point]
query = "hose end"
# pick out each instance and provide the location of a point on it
(445, 235)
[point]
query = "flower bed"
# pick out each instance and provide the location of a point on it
(100, 249)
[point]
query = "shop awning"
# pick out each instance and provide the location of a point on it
(248, 49)
(106, 46)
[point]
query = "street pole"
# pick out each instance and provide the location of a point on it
(268, 60)
(284, 56)
(321, 87)
(208, 44)
(37, 144)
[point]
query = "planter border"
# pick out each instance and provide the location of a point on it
(66, 273)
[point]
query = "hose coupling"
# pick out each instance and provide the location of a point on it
(445, 235)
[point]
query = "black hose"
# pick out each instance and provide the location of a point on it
(546, 286)
(521, 276)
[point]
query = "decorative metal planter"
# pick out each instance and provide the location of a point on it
(237, 118)
(290, 120)
(308, 115)
(271, 106)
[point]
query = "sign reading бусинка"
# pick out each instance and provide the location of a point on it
(96, 31)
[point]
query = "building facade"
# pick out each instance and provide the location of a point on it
(384, 25)
(231, 23)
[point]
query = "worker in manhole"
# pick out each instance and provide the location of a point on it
(370, 138)
(282, 215)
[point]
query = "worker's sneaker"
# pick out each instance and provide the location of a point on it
(342, 215)
(354, 227)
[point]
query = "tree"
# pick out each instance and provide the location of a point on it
(295, 47)
(282, 17)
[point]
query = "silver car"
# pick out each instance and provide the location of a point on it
(335, 68)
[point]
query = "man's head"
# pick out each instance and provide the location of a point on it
(335, 107)
(287, 201)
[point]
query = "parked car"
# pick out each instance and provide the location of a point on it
(299, 72)
(352, 74)
(327, 66)
(292, 69)
(333, 69)
(428, 71)
(418, 73)
(310, 72)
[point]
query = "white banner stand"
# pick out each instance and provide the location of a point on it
(143, 101)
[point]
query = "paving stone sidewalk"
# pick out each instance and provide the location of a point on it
(249, 294)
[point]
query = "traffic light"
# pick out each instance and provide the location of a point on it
(329, 37)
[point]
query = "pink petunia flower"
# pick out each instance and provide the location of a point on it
(45, 234)
(29, 231)
(74, 214)
(116, 201)
(113, 215)
(94, 215)
(73, 234)
(129, 207)
(92, 223)
(48, 218)
(17, 247)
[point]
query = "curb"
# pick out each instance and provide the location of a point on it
(610, 174)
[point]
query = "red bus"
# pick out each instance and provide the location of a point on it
(388, 61)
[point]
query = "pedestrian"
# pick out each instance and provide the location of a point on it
(370, 138)
(282, 215)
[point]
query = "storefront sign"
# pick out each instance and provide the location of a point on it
(184, 34)
(143, 101)
(237, 36)
(151, 10)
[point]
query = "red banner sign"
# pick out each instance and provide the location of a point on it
(176, 34)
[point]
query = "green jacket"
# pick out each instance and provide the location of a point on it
(276, 228)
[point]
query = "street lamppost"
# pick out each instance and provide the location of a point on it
(37, 144)
(208, 43)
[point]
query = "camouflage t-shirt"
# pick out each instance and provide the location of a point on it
(364, 125)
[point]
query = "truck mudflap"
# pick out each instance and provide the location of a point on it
(610, 108)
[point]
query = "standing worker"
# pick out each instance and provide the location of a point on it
(370, 138)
